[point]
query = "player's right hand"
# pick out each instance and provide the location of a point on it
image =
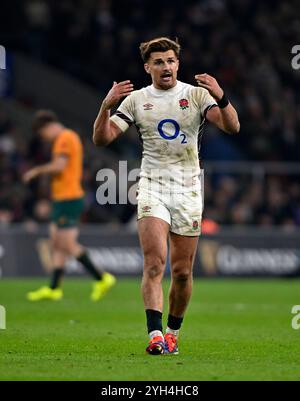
(117, 92)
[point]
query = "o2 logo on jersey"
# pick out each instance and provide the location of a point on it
(160, 129)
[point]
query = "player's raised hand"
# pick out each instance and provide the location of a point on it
(210, 83)
(117, 92)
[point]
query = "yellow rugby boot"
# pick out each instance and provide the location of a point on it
(101, 287)
(45, 293)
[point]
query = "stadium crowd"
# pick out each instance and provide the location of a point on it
(245, 44)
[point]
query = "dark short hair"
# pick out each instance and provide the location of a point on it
(161, 44)
(42, 118)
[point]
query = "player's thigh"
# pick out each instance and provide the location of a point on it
(182, 253)
(153, 235)
(68, 235)
(66, 238)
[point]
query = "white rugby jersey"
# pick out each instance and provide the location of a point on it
(170, 124)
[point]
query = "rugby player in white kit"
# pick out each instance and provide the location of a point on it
(169, 116)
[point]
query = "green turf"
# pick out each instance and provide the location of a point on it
(234, 330)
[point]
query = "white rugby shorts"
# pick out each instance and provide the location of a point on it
(182, 211)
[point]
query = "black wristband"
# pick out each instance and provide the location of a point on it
(223, 102)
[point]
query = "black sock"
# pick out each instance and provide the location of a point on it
(154, 320)
(174, 322)
(85, 260)
(57, 274)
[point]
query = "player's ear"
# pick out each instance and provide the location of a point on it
(147, 68)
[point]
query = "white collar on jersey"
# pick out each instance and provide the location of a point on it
(162, 92)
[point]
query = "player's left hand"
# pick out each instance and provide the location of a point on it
(29, 175)
(210, 83)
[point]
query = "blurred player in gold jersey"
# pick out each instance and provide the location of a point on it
(67, 195)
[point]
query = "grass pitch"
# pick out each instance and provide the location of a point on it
(234, 330)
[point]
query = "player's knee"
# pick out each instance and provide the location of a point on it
(154, 268)
(181, 274)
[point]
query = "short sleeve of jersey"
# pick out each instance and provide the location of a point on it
(124, 116)
(204, 100)
(62, 145)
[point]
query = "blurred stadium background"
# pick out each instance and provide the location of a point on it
(64, 55)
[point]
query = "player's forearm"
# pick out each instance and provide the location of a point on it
(48, 168)
(102, 132)
(230, 120)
